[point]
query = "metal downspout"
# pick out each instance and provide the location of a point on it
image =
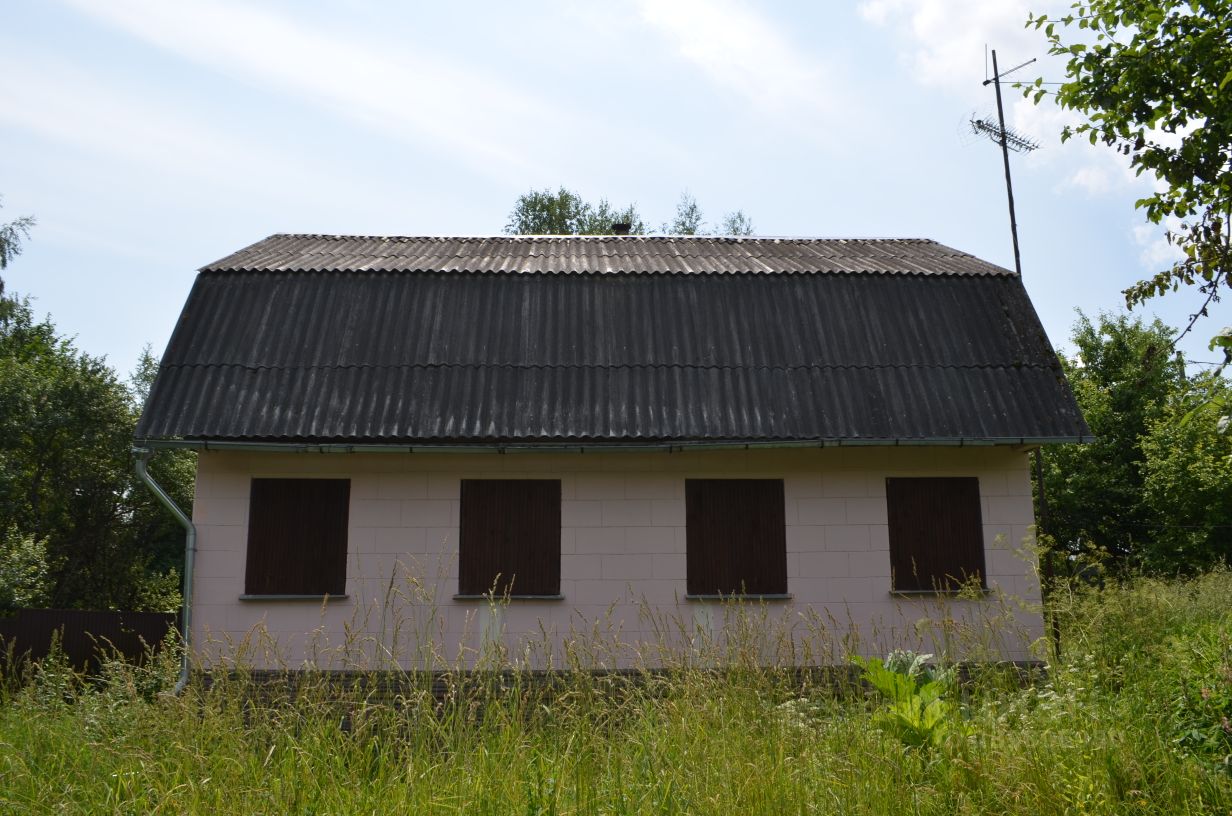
(190, 552)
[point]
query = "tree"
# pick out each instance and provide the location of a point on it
(1150, 492)
(736, 223)
(1154, 81)
(1123, 377)
(688, 221)
(542, 212)
(1187, 471)
(23, 572)
(67, 485)
(76, 527)
(11, 235)
(159, 535)
(64, 422)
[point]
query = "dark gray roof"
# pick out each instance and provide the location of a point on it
(508, 340)
(603, 254)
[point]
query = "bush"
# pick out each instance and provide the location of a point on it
(24, 576)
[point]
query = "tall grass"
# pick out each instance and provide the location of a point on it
(1131, 719)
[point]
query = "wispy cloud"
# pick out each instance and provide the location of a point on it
(946, 38)
(400, 92)
(71, 107)
(743, 53)
(1092, 179)
(945, 45)
(1155, 251)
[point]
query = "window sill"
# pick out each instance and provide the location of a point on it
(500, 598)
(750, 597)
(940, 593)
(313, 598)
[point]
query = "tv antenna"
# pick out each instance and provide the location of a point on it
(1009, 140)
(1015, 141)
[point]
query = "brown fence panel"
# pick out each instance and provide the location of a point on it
(85, 635)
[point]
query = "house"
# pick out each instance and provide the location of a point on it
(606, 432)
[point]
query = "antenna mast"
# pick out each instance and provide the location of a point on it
(1006, 139)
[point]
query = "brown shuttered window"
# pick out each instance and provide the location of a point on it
(510, 537)
(297, 537)
(936, 533)
(736, 537)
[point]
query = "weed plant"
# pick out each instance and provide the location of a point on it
(1133, 718)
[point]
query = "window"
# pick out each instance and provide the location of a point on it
(936, 533)
(509, 541)
(297, 537)
(736, 537)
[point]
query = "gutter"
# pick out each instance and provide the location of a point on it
(574, 447)
(142, 455)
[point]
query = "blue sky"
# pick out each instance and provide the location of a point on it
(150, 138)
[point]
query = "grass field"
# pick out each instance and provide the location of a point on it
(1133, 719)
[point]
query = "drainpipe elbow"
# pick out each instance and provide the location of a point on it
(141, 456)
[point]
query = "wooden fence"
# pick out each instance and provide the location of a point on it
(85, 635)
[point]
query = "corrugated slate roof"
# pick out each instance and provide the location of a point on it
(601, 254)
(328, 339)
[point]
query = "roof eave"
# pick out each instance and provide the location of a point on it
(667, 446)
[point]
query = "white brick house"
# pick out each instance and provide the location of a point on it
(607, 431)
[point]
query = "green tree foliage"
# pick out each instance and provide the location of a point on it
(11, 235)
(542, 212)
(1188, 482)
(1145, 493)
(24, 577)
(1154, 80)
(66, 475)
(76, 527)
(1122, 375)
(689, 221)
(161, 535)
(736, 223)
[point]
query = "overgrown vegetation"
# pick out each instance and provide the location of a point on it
(918, 710)
(77, 530)
(1133, 719)
(1153, 491)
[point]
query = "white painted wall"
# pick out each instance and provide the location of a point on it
(622, 559)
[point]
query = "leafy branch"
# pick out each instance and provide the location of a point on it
(1154, 80)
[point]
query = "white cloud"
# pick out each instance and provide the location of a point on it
(402, 92)
(743, 53)
(947, 38)
(1091, 179)
(1155, 251)
(71, 107)
(1043, 122)
(1095, 170)
(945, 47)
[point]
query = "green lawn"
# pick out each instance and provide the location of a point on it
(1132, 720)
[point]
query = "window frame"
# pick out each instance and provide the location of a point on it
(319, 515)
(491, 529)
(953, 542)
(721, 540)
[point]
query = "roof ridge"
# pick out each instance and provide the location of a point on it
(530, 271)
(605, 366)
(336, 236)
(686, 254)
